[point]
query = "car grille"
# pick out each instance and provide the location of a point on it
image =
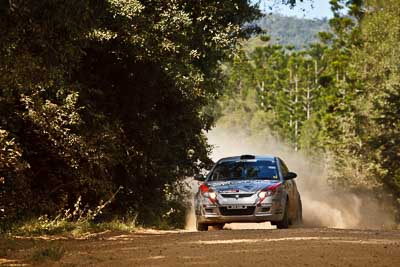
(234, 195)
(236, 212)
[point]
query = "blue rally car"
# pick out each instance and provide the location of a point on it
(248, 188)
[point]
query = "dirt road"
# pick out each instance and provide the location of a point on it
(293, 247)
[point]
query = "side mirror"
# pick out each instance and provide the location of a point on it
(199, 177)
(290, 176)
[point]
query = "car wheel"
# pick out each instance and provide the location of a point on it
(219, 226)
(299, 219)
(284, 223)
(201, 226)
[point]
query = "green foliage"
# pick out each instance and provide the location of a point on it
(80, 219)
(44, 226)
(336, 100)
(95, 95)
(61, 226)
(287, 86)
(378, 67)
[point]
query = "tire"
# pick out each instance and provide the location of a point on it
(284, 223)
(299, 219)
(219, 226)
(201, 226)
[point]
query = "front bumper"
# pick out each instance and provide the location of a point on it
(253, 213)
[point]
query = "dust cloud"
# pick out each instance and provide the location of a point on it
(323, 206)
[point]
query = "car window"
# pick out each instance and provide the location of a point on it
(284, 168)
(245, 170)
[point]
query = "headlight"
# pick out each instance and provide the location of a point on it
(208, 192)
(212, 195)
(268, 191)
(264, 194)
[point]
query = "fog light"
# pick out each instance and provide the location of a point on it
(210, 211)
(267, 209)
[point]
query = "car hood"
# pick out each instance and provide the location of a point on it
(241, 186)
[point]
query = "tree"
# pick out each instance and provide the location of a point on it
(377, 63)
(95, 95)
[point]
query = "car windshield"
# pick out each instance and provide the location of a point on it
(245, 170)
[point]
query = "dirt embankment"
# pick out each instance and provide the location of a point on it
(294, 247)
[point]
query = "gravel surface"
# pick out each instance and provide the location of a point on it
(293, 247)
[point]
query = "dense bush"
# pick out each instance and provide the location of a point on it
(95, 95)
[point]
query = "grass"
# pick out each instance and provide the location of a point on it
(18, 243)
(78, 221)
(40, 227)
(114, 225)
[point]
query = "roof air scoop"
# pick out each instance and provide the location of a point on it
(247, 157)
